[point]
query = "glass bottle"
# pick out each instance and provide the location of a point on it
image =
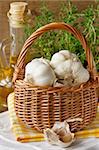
(18, 16)
(5, 74)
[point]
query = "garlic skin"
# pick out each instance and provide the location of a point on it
(57, 83)
(68, 80)
(69, 55)
(66, 53)
(59, 134)
(74, 57)
(39, 73)
(51, 136)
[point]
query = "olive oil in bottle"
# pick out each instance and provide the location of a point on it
(5, 76)
(18, 16)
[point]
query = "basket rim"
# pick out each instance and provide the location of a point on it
(24, 84)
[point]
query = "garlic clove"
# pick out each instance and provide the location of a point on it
(60, 134)
(56, 59)
(81, 76)
(61, 126)
(63, 68)
(66, 138)
(76, 66)
(8, 79)
(66, 143)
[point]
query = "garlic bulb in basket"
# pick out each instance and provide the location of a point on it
(39, 72)
(68, 67)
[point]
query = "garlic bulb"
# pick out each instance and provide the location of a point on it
(62, 63)
(39, 72)
(68, 67)
(60, 134)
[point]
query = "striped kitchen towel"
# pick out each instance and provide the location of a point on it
(21, 132)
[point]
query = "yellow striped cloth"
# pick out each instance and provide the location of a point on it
(20, 131)
(24, 134)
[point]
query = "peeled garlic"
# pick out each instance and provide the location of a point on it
(66, 138)
(60, 134)
(39, 72)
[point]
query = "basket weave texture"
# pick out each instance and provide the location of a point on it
(41, 107)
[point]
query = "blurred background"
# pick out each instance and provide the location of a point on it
(34, 6)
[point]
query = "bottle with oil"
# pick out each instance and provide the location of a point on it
(18, 15)
(5, 74)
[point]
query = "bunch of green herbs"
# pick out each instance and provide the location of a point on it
(86, 21)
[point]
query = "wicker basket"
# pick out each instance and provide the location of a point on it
(41, 107)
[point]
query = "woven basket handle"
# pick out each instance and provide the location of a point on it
(56, 25)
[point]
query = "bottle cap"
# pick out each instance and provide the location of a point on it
(18, 8)
(17, 14)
